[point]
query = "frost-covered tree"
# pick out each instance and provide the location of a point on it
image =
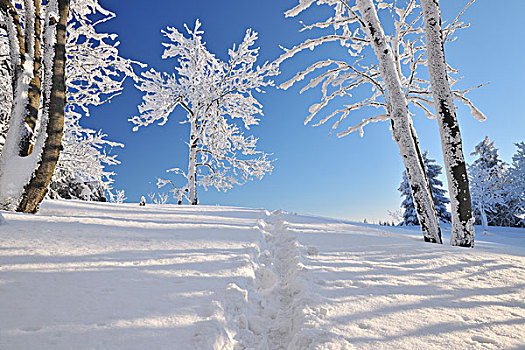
(515, 194)
(5, 87)
(218, 101)
(119, 196)
(37, 63)
(438, 194)
(159, 198)
(95, 73)
(358, 29)
(462, 232)
(487, 181)
(81, 170)
(409, 211)
(392, 82)
(85, 63)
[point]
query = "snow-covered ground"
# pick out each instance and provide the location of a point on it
(119, 276)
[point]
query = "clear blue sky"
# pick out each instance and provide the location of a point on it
(314, 173)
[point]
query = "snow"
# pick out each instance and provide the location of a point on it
(303, 5)
(15, 172)
(119, 276)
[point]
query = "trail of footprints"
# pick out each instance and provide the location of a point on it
(273, 311)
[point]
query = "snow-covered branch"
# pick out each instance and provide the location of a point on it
(359, 74)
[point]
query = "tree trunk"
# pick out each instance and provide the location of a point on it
(461, 208)
(12, 180)
(27, 48)
(181, 197)
(402, 129)
(484, 220)
(36, 189)
(192, 166)
(32, 28)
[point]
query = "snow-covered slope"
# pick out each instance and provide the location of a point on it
(106, 276)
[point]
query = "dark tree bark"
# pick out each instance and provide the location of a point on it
(34, 92)
(36, 189)
(461, 208)
(17, 50)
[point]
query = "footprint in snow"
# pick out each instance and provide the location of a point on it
(363, 325)
(31, 329)
(312, 251)
(266, 279)
(481, 339)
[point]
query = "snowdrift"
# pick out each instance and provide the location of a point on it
(118, 276)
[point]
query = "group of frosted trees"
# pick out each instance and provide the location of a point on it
(55, 66)
(497, 188)
(396, 67)
(405, 54)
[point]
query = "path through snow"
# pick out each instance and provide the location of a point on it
(278, 309)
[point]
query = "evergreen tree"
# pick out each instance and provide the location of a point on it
(438, 194)
(409, 215)
(487, 183)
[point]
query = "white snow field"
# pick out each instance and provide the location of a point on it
(118, 276)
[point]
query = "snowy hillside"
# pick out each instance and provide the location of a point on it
(119, 276)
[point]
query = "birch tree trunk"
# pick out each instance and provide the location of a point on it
(10, 161)
(36, 189)
(33, 28)
(461, 208)
(26, 59)
(20, 77)
(192, 166)
(402, 129)
(484, 219)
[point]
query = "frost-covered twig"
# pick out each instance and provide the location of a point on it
(407, 42)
